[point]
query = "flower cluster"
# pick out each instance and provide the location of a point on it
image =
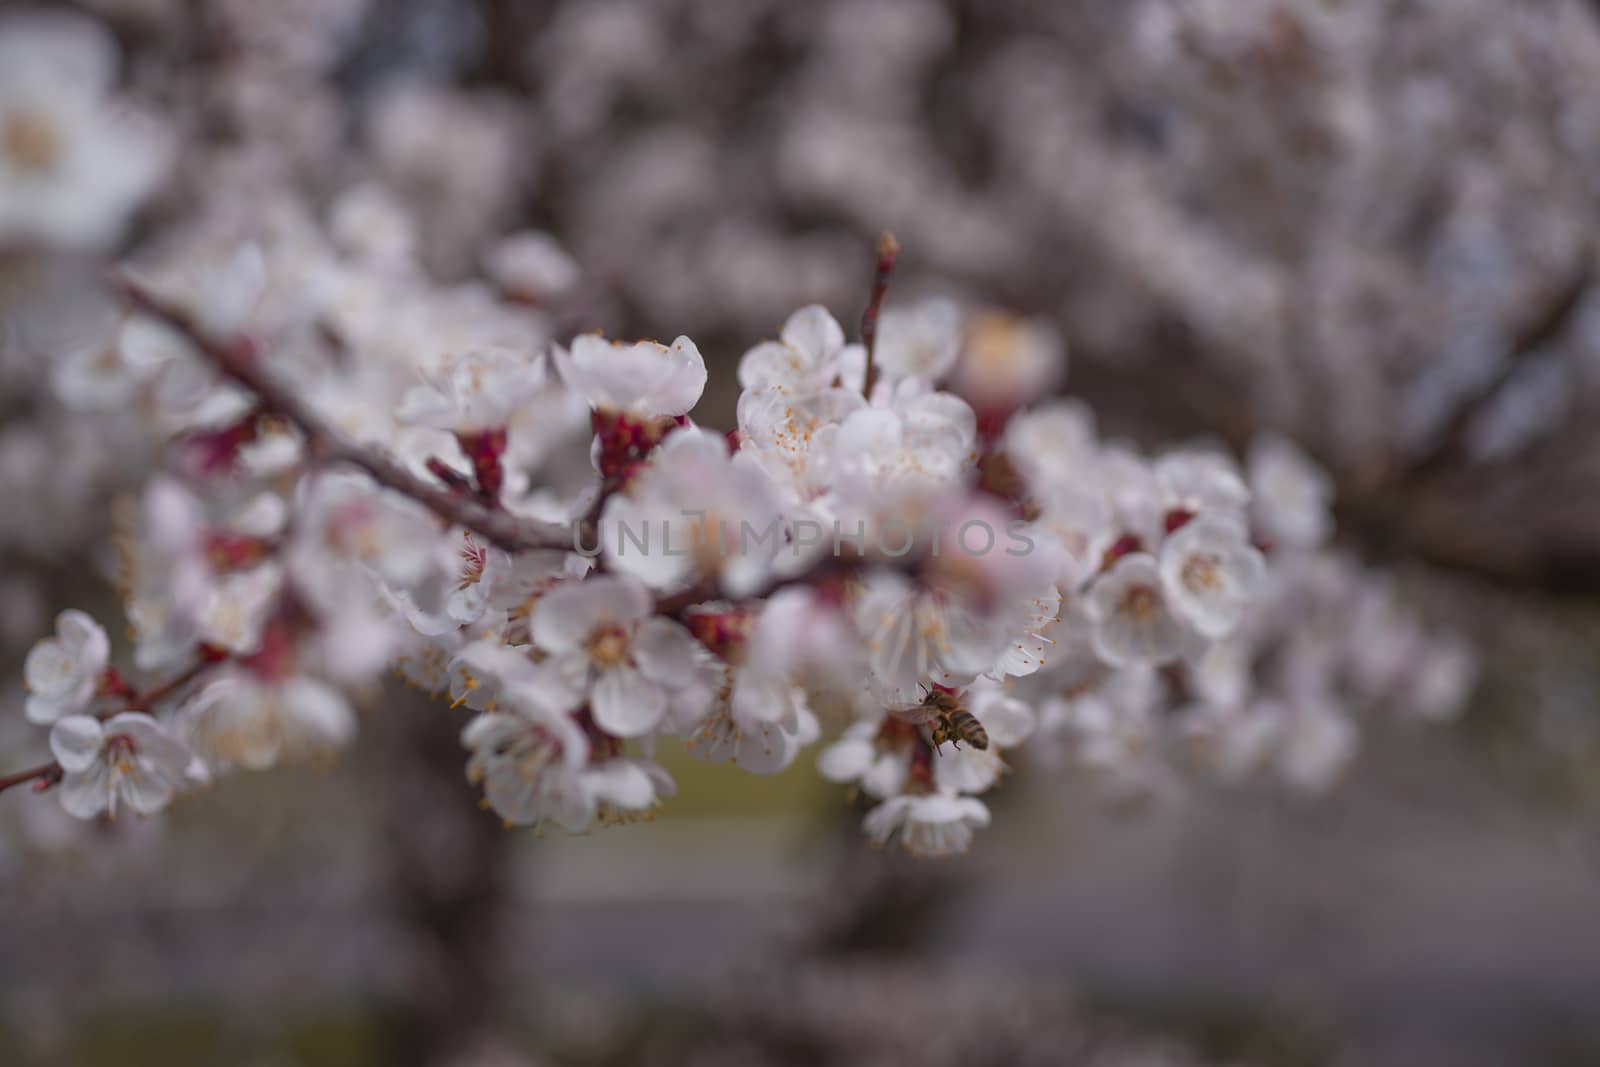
(896, 547)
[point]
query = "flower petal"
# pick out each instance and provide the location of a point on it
(86, 793)
(147, 789)
(150, 740)
(84, 640)
(622, 784)
(75, 741)
(626, 703)
(665, 652)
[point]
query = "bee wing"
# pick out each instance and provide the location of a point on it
(916, 714)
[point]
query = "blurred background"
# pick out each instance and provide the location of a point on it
(1366, 224)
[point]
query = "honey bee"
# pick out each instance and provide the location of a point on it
(949, 717)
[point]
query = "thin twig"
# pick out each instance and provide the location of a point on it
(888, 252)
(239, 359)
(162, 690)
(45, 772)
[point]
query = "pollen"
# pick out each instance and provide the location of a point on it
(1141, 603)
(30, 142)
(1202, 571)
(607, 646)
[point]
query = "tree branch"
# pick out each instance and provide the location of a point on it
(239, 359)
(43, 776)
(888, 252)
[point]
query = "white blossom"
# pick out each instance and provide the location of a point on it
(1210, 572)
(601, 636)
(694, 511)
(240, 719)
(473, 391)
(1133, 621)
(73, 165)
(933, 824)
(1290, 496)
(645, 379)
(534, 765)
(63, 672)
(128, 759)
(921, 341)
(532, 266)
(810, 356)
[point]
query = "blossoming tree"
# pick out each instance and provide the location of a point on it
(910, 561)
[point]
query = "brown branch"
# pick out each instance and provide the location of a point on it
(828, 569)
(888, 252)
(239, 359)
(44, 775)
(162, 690)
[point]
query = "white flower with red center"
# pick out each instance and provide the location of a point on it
(1133, 621)
(1210, 573)
(915, 637)
(535, 766)
(473, 392)
(928, 824)
(130, 759)
(63, 673)
(694, 511)
(644, 379)
(483, 672)
(922, 341)
(73, 164)
(1290, 495)
(601, 636)
(810, 356)
(759, 717)
(918, 444)
(792, 435)
(919, 635)
(245, 719)
(761, 725)
(529, 758)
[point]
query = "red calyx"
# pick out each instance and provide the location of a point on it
(274, 661)
(1122, 546)
(991, 422)
(227, 551)
(626, 440)
(217, 451)
(723, 632)
(114, 685)
(486, 449)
